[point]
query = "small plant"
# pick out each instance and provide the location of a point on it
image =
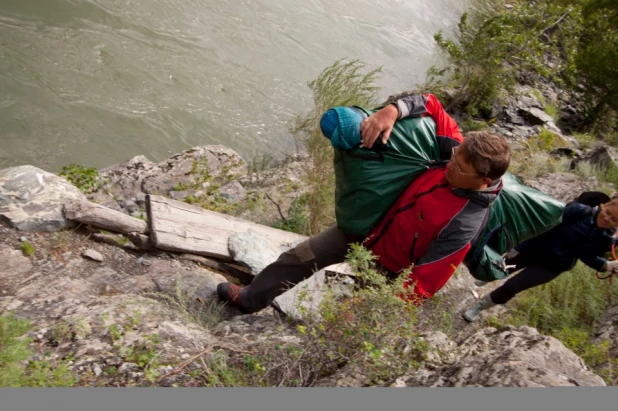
(86, 179)
(539, 96)
(206, 315)
(27, 249)
(115, 332)
(146, 356)
(297, 221)
(585, 140)
(341, 84)
(531, 162)
(14, 351)
(469, 124)
(553, 111)
(121, 241)
(371, 330)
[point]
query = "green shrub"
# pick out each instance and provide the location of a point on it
(553, 111)
(27, 248)
(370, 331)
(297, 221)
(495, 45)
(585, 140)
(86, 179)
(14, 350)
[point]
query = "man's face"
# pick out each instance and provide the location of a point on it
(608, 216)
(462, 174)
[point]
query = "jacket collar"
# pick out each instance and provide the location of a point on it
(485, 197)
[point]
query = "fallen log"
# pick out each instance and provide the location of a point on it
(180, 227)
(102, 217)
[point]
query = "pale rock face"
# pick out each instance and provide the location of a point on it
(511, 357)
(31, 199)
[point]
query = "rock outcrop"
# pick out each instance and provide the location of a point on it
(32, 199)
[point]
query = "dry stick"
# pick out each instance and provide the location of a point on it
(196, 356)
(556, 22)
(278, 208)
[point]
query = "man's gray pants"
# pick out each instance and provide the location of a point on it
(295, 265)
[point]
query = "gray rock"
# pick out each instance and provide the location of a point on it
(601, 155)
(511, 357)
(127, 367)
(140, 199)
(96, 369)
(93, 255)
(253, 250)
(564, 186)
(233, 192)
(307, 294)
(14, 263)
(33, 199)
(536, 116)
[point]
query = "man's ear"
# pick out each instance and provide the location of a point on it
(487, 181)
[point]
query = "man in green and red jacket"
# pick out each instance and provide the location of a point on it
(432, 225)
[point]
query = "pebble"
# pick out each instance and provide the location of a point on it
(113, 361)
(127, 367)
(96, 369)
(93, 255)
(23, 239)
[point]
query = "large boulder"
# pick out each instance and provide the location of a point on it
(32, 199)
(510, 357)
(565, 186)
(195, 172)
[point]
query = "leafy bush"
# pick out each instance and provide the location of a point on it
(494, 45)
(369, 330)
(14, 350)
(297, 221)
(86, 179)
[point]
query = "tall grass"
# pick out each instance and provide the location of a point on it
(341, 84)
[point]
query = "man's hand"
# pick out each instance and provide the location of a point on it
(379, 122)
(611, 266)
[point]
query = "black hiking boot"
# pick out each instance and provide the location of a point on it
(230, 293)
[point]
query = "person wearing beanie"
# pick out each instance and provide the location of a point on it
(431, 226)
(586, 233)
(341, 125)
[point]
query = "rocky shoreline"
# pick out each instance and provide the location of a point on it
(118, 314)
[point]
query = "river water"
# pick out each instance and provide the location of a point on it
(96, 82)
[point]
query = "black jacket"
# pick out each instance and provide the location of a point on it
(576, 237)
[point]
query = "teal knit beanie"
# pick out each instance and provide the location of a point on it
(341, 125)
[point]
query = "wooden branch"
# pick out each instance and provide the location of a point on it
(102, 217)
(278, 207)
(556, 22)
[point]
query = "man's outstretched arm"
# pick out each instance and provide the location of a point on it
(416, 105)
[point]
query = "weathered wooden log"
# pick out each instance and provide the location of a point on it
(99, 216)
(180, 227)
